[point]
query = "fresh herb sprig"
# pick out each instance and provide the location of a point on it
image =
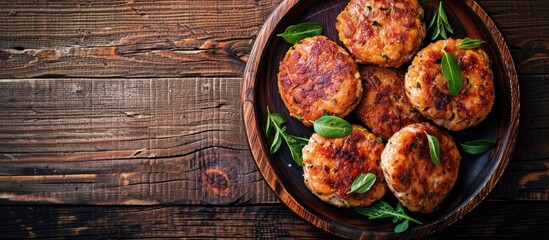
(450, 67)
(434, 149)
(477, 146)
(451, 72)
(442, 24)
(362, 183)
(294, 33)
(382, 209)
(295, 144)
(469, 43)
(332, 127)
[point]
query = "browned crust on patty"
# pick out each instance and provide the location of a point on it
(330, 165)
(384, 107)
(428, 91)
(317, 77)
(386, 33)
(411, 174)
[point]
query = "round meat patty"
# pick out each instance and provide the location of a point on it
(411, 174)
(330, 165)
(384, 107)
(428, 92)
(386, 33)
(317, 77)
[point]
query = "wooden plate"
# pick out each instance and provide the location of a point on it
(478, 174)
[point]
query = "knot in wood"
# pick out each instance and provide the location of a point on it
(217, 180)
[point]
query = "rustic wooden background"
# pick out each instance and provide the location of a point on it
(122, 119)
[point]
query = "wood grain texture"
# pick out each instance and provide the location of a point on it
(134, 141)
(525, 26)
(128, 38)
(496, 220)
(81, 140)
(99, 131)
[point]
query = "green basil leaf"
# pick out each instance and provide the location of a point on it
(277, 141)
(296, 144)
(294, 33)
(434, 149)
(363, 183)
(469, 43)
(401, 227)
(332, 127)
(277, 119)
(269, 127)
(451, 73)
(477, 146)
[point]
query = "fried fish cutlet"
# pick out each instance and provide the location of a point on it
(427, 89)
(411, 174)
(384, 107)
(386, 33)
(317, 77)
(330, 165)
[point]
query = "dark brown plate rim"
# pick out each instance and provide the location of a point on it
(258, 147)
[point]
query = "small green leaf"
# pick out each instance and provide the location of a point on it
(451, 73)
(443, 33)
(332, 127)
(295, 144)
(277, 141)
(477, 146)
(277, 119)
(363, 183)
(442, 14)
(434, 149)
(13, 13)
(422, 1)
(294, 33)
(269, 127)
(441, 23)
(401, 227)
(468, 43)
(399, 209)
(382, 209)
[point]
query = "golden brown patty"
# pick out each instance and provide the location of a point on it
(411, 174)
(330, 165)
(383, 32)
(317, 77)
(384, 107)
(428, 92)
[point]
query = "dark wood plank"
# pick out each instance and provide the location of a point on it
(527, 175)
(525, 26)
(128, 38)
(176, 38)
(109, 141)
(498, 220)
(148, 141)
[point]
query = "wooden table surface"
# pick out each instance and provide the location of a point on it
(123, 119)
